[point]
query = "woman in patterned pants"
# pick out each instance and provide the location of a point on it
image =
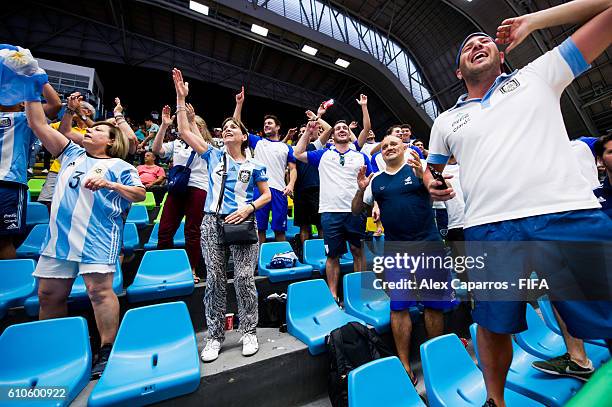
(232, 203)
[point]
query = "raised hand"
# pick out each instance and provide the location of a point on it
(240, 96)
(321, 111)
(353, 125)
(190, 112)
(181, 87)
(415, 162)
(513, 31)
(118, 108)
(74, 101)
(363, 100)
(362, 180)
(166, 118)
(291, 132)
(310, 115)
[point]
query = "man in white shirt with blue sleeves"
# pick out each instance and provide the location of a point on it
(537, 195)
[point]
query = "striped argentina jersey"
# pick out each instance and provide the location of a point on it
(16, 138)
(87, 226)
(241, 180)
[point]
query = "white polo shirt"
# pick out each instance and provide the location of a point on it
(454, 207)
(274, 155)
(338, 177)
(179, 151)
(512, 146)
(586, 162)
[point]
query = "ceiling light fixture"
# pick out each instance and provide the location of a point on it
(257, 29)
(200, 8)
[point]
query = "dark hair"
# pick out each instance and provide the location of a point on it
(406, 126)
(416, 140)
(243, 129)
(390, 129)
(341, 121)
(600, 144)
(271, 116)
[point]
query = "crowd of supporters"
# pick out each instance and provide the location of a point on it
(499, 166)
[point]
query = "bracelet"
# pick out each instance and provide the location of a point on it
(118, 116)
(253, 205)
(181, 109)
(72, 112)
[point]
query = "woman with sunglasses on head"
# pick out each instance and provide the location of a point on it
(230, 200)
(94, 190)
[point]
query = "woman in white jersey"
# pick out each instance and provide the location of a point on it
(94, 189)
(235, 205)
(188, 204)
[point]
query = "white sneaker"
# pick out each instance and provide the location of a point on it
(211, 350)
(45, 171)
(249, 344)
(30, 171)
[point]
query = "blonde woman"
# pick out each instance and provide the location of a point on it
(95, 187)
(188, 204)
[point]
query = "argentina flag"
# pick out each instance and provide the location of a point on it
(21, 79)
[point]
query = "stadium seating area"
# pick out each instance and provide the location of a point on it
(155, 356)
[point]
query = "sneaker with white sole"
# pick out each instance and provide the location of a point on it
(249, 344)
(211, 350)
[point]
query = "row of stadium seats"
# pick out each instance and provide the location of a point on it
(312, 314)
(161, 274)
(150, 361)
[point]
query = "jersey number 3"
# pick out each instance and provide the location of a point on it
(76, 179)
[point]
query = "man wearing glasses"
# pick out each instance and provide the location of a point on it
(338, 168)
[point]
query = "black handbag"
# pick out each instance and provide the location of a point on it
(178, 176)
(234, 233)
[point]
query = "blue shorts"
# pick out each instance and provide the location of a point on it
(425, 278)
(278, 206)
(339, 228)
(13, 205)
(584, 319)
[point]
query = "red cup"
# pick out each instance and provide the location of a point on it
(229, 322)
(328, 103)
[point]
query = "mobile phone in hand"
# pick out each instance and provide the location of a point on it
(438, 177)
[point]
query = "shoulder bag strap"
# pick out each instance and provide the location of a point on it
(223, 178)
(191, 157)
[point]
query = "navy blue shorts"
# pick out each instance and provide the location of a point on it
(278, 206)
(432, 281)
(584, 319)
(13, 205)
(339, 228)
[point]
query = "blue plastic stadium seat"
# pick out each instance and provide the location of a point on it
(154, 358)
(138, 215)
(16, 283)
(179, 237)
(452, 379)
(36, 213)
(543, 343)
(162, 274)
(312, 313)
(30, 248)
(551, 322)
(292, 230)
(382, 382)
(267, 252)
(131, 241)
(314, 254)
(44, 354)
(78, 294)
(363, 301)
(548, 389)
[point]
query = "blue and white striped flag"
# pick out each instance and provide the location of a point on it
(21, 79)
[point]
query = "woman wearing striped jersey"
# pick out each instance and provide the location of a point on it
(237, 204)
(95, 187)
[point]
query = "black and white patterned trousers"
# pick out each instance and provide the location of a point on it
(245, 260)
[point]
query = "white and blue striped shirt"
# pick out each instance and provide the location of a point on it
(242, 179)
(16, 138)
(87, 226)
